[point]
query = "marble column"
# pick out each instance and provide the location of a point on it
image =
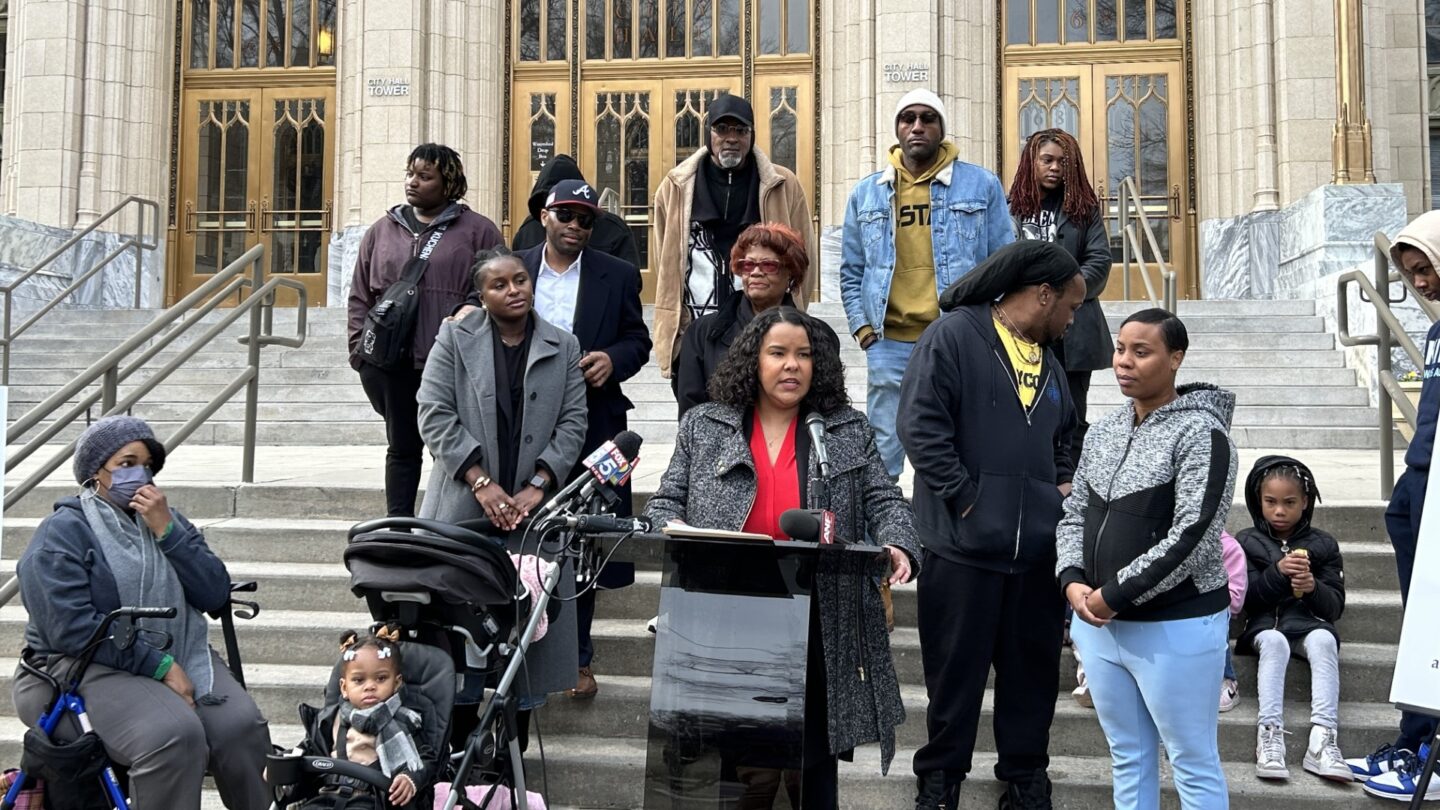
(87, 124)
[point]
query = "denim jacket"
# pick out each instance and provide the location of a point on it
(969, 220)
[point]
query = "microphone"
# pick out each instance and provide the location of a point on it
(607, 524)
(610, 466)
(815, 423)
(810, 525)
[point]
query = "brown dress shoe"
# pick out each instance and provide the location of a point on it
(585, 685)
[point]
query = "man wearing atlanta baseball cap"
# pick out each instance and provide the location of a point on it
(609, 322)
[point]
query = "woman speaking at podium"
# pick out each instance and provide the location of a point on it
(744, 458)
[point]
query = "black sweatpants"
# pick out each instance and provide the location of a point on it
(392, 395)
(970, 619)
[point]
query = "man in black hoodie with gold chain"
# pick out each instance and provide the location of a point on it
(986, 420)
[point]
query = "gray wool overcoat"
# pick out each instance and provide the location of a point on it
(458, 414)
(711, 483)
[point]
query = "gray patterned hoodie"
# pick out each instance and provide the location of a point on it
(1143, 520)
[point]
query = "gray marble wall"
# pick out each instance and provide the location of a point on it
(24, 244)
(830, 264)
(1302, 251)
(344, 247)
(1239, 256)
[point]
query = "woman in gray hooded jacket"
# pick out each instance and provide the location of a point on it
(1140, 560)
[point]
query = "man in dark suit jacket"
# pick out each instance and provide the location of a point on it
(596, 297)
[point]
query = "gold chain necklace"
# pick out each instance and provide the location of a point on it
(1020, 337)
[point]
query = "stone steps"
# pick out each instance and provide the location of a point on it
(310, 395)
(657, 393)
(625, 702)
(611, 774)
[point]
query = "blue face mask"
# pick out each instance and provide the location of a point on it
(125, 482)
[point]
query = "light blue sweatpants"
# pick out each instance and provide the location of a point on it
(1154, 682)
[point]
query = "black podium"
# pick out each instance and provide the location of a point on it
(732, 650)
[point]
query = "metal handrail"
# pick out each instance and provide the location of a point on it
(137, 242)
(1389, 333)
(259, 305)
(1133, 246)
(110, 372)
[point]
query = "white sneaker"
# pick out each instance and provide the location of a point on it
(1323, 757)
(1270, 753)
(1081, 693)
(1229, 694)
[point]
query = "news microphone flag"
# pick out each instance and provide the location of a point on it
(609, 465)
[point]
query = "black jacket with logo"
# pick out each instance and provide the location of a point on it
(972, 444)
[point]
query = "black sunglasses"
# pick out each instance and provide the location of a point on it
(927, 118)
(566, 215)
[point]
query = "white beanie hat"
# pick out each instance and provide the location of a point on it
(927, 98)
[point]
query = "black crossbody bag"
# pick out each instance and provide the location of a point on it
(388, 335)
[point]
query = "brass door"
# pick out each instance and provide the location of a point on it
(621, 153)
(539, 130)
(785, 125)
(1129, 120)
(642, 130)
(644, 73)
(257, 170)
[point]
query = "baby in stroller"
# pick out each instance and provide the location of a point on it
(386, 711)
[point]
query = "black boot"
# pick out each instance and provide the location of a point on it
(933, 792)
(1027, 794)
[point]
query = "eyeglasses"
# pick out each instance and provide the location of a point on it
(566, 215)
(927, 118)
(726, 130)
(769, 267)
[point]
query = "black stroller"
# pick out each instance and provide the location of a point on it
(428, 688)
(453, 592)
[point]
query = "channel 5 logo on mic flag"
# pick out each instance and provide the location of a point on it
(609, 465)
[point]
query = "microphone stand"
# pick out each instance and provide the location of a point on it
(501, 695)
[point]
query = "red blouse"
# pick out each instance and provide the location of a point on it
(777, 486)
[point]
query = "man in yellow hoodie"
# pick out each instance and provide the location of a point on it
(911, 230)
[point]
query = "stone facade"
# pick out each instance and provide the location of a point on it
(90, 84)
(452, 57)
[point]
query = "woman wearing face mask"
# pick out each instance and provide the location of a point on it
(166, 714)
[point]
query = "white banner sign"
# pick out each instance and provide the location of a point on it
(1417, 666)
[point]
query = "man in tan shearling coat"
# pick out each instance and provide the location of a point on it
(701, 208)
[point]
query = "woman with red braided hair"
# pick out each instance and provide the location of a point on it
(1051, 200)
